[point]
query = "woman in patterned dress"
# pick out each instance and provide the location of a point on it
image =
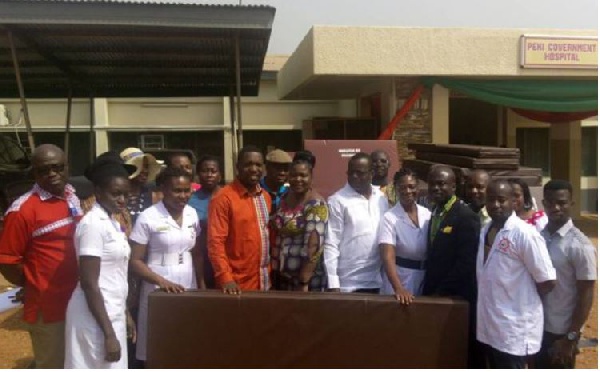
(298, 233)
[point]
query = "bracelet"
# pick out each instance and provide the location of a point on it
(304, 283)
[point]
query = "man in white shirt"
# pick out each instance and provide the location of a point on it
(513, 271)
(568, 306)
(352, 259)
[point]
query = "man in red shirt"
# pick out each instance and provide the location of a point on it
(238, 238)
(37, 253)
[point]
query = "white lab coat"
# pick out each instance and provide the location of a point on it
(510, 317)
(98, 235)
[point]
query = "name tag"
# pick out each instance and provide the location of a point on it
(163, 228)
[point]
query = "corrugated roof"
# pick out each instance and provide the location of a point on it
(117, 48)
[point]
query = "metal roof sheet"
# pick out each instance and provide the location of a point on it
(116, 48)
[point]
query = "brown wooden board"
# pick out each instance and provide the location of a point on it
(469, 162)
(467, 150)
(208, 329)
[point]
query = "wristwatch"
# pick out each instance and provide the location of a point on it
(573, 336)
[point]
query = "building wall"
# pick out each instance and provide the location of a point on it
(589, 184)
(175, 116)
(348, 53)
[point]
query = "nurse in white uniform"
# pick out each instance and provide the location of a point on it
(96, 320)
(402, 241)
(164, 247)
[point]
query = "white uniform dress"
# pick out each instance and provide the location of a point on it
(410, 242)
(168, 255)
(98, 235)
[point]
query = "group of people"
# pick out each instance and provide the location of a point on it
(87, 267)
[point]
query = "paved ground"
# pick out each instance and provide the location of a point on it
(15, 346)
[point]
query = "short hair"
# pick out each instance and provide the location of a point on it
(381, 152)
(169, 173)
(205, 158)
(528, 204)
(178, 154)
(404, 172)
(359, 156)
(556, 185)
(247, 150)
(305, 156)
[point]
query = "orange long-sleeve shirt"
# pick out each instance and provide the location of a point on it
(238, 241)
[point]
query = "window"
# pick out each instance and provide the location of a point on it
(534, 144)
(589, 151)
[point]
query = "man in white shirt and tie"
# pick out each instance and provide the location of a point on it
(352, 259)
(513, 271)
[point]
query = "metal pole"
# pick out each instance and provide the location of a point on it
(68, 125)
(92, 125)
(234, 148)
(238, 88)
(13, 50)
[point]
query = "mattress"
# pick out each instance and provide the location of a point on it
(531, 176)
(208, 329)
(467, 150)
(470, 162)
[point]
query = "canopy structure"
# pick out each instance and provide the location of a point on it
(117, 48)
(132, 49)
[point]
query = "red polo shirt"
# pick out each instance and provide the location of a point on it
(38, 232)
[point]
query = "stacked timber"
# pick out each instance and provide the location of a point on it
(499, 162)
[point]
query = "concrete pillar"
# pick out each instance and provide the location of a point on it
(101, 125)
(101, 141)
(440, 118)
(565, 157)
(228, 161)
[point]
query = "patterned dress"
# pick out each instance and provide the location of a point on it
(291, 229)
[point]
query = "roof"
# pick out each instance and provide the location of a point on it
(116, 48)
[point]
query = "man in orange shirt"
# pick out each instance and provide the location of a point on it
(37, 252)
(238, 238)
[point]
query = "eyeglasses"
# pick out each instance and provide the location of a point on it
(46, 169)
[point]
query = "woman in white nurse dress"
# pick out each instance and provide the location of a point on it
(97, 320)
(402, 240)
(164, 247)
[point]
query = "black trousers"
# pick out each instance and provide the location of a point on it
(543, 359)
(499, 360)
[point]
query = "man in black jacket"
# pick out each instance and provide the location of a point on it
(452, 250)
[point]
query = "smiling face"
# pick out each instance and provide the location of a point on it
(407, 190)
(518, 198)
(441, 185)
(381, 164)
(475, 188)
(250, 169)
(557, 205)
(50, 170)
(176, 192)
(113, 196)
(499, 201)
(360, 175)
(300, 178)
